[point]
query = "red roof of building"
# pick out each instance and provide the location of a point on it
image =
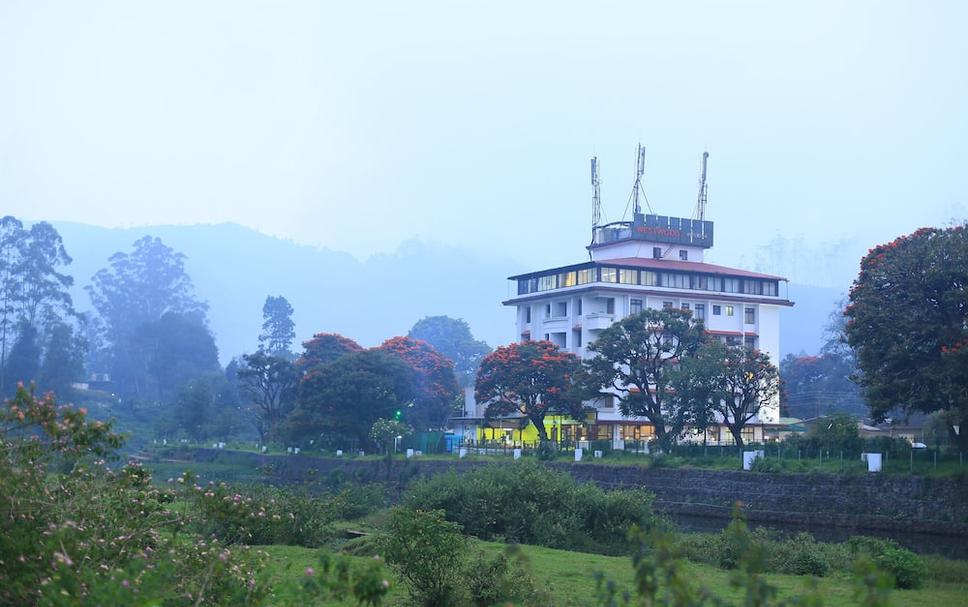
(685, 266)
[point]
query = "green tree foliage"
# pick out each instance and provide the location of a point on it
(166, 353)
(635, 358)
(343, 399)
(278, 329)
(452, 337)
(731, 382)
(204, 408)
(435, 387)
(324, 348)
(908, 325)
(532, 378)
(23, 364)
(385, 431)
(63, 361)
(33, 293)
(136, 290)
(269, 383)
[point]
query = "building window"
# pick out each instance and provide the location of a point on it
(576, 338)
(657, 252)
(667, 305)
(628, 277)
(546, 283)
(527, 314)
(675, 280)
(523, 287)
(770, 287)
(547, 310)
(635, 306)
(568, 279)
(752, 287)
(701, 311)
(578, 306)
(729, 310)
(750, 341)
(683, 255)
(717, 310)
(731, 285)
(732, 340)
(684, 306)
(609, 275)
(747, 434)
(649, 279)
(750, 315)
(587, 276)
(610, 305)
(712, 434)
(561, 309)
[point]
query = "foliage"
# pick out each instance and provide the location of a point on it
(634, 360)
(733, 382)
(93, 535)
(528, 503)
(532, 378)
(168, 353)
(385, 431)
(435, 385)
(345, 397)
(278, 330)
(34, 297)
(427, 552)
(907, 569)
(452, 337)
(334, 578)
(203, 408)
(324, 348)
(817, 385)
(432, 556)
(906, 324)
(269, 383)
(63, 360)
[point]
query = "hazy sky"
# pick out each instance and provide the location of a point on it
(357, 125)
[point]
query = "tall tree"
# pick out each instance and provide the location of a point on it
(63, 359)
(343, 399)
(168, 353)
(452, 337)
(136, 289)
(908, 326)
(728, 385)
(634, 360)
(278, 329)
(269, 383)
(435, 385)
(532, 378)
(324, 348)
(23, 364)
(12, 245)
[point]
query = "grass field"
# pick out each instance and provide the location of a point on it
(568, 577)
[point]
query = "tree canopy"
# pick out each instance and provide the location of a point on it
(435, 387)
(532, 378)
(345, 397)
(452, 337)
(278, 329)
(270, 384)
(907, 322)
(324, 348)
(634, 361)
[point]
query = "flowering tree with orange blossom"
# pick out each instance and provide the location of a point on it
(907, 322)
(324, 348)
(435, 383)
(532, 378)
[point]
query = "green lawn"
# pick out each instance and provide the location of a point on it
(568, 578)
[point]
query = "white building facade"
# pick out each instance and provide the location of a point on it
(651, 262)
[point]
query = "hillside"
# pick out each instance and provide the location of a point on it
(235, 267)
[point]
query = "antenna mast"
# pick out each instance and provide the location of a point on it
(596, 195)
(639, 171)
(703, 190)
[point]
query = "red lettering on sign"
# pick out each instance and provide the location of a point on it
(659, 231)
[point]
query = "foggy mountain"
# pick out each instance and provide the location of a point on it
(234, 268)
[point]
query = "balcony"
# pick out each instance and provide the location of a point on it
(598, 320)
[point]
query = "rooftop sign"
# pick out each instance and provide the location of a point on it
(657, 228)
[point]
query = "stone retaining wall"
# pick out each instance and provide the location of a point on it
(875, 502)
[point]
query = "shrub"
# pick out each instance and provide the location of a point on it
(799, 555)
(906, 567)
(427, 552)
(769, 466)
(528, 503)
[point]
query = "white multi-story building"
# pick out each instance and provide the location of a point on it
(650, 262)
